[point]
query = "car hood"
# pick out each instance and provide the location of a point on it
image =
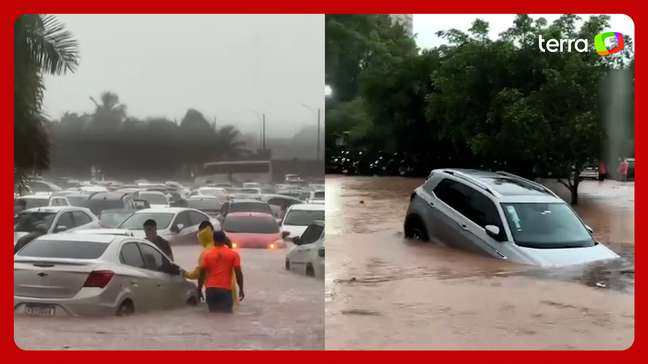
(294, 230)
(566, 256)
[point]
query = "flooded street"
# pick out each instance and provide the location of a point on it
(281, 310)
(384, 292)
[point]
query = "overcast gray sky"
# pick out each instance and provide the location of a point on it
(226, 66)
(426, 25)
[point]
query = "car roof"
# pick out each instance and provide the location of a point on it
(246, 200)
(108, 195)
(36, 197)
(70, 236)
(56, 209)
(119, 232)
(506, 187)
(249, 214)
(307, 207)
(172, 210)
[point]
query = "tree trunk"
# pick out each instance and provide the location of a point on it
(574, 191)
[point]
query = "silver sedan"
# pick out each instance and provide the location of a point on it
(79, 274)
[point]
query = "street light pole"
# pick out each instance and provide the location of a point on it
(318, 133)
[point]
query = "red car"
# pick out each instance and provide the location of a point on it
(252, 230)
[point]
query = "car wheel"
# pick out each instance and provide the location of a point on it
(287, 264)
(126, 308)
(310, 271)
(415, 230)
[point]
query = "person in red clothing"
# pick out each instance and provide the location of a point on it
(219, 263)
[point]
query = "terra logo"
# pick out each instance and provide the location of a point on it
(605, 43)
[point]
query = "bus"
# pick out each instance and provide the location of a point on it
(235, 172)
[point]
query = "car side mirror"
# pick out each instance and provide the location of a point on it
(589, 228)
(141, 204)
(172, 269)
(177, 228)
(296, 240)
(493, 231)
(60, 228)
(284, 234)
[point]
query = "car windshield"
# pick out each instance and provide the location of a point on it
(153, 198)
(250, 207)
(28, 221)
(252, 191)
(303, 217)
(96, 206)
(63, 249)
(250, 224)
(77, 200)
(112, 218)
(546, 225)
(136, 221)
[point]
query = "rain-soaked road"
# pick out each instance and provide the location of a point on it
(281, 310)
(384, 292)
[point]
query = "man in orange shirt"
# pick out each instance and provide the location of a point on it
(218, 263)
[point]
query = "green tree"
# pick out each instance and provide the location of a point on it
(42, 45)
(109, 112)
(229, 144)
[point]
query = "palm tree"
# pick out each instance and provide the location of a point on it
(109, 114)
(42, 45)
(229, 144)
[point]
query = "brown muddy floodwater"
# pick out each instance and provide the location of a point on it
(385, 292)
(281, 310)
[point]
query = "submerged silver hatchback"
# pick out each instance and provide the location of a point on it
(81, 274)
(500, 215)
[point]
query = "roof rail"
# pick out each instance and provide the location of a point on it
(528, 181)
(469, 178)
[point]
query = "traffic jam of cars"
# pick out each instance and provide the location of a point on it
(82, 249)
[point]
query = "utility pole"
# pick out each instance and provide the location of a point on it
(318, 133)
(264, 133)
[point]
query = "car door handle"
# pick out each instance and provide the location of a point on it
(133, 283)
(463, 226)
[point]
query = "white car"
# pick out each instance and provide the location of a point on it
(307, 256)
(218, 192)
(178, 225)
(53, 219)
(155, 199)
(251, 185)
(298, 217)
(316, 197)
(78, 274)
(293, 179)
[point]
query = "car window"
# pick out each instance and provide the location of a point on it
(65, 220)
(29, 221)
(311, 234)
(469, 202)
(153, 259)
(197, 218)
(303, 217)
(130, 255)
(63, 249)
(81, 218)
(183, 218)
(136, 221)
(454, 194)
(58, 202)
(250, 224)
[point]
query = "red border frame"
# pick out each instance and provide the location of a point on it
(13, 8)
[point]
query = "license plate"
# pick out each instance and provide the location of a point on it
(40, 310)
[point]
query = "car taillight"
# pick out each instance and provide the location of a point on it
(234, 245)
(271, 246)
(98, 278)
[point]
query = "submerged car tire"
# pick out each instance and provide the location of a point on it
(126, 308)
(415, 230)
(309, 270)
